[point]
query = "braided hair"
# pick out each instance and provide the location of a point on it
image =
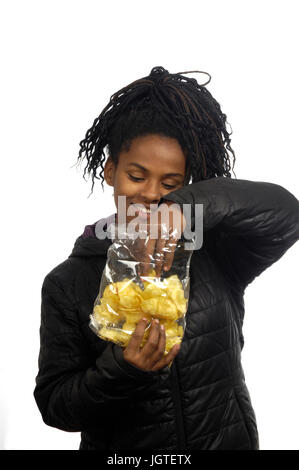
(170, 105)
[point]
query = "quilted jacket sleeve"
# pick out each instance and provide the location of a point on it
(73, 391)
(247, 225)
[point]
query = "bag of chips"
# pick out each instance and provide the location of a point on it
(131, 290)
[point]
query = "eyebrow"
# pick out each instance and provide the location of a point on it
(144, 169)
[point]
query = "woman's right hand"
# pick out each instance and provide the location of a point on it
(151, 357)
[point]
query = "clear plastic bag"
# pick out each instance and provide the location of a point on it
(130, 290)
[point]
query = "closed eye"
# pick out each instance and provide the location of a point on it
(134, 178)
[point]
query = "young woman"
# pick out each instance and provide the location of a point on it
(167, 142)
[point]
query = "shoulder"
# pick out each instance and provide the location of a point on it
(74, 273)
(65, 272)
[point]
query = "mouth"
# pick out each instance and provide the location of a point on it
(142, 211)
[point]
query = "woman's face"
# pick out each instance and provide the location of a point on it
(152, 167)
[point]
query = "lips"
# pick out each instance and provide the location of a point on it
(143, 210)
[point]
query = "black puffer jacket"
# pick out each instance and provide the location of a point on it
(84, 384)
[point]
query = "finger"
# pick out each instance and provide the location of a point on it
(140, 242)
(177, 220)
(137, 336)
(169, 252)
(162, 342)
(166, 360)
(152, 342)
(159, 351)
(138, 247)
(159, 256)
(148, 255)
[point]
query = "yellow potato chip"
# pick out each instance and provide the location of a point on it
(133, 317)
(116, 335)
(180, 331)
(171, 341)
(166, 309)
(150, 306)
(173, 282)
(111, 304)
(125, 303)
(160, 307)
(178, 298)
(176, 295)
(101, 313)
(109, 291)
(153, 290)
(120, 286)
(172, 329)
(130, 301)
(129, 327)
(129, 294)
(128, 311)
(167, 323)
(137, 288)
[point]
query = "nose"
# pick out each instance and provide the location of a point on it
(151, 192)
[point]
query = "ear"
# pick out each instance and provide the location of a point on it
(109, 170)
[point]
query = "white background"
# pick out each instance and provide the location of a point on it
(60, 63)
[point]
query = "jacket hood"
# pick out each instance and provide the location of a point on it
(88, 244)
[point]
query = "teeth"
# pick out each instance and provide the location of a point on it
(143, 211)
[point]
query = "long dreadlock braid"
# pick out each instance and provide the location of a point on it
(171, 105)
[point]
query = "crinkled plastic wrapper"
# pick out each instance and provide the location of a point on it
(130, 290)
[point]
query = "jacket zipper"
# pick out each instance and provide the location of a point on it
(178, 407)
